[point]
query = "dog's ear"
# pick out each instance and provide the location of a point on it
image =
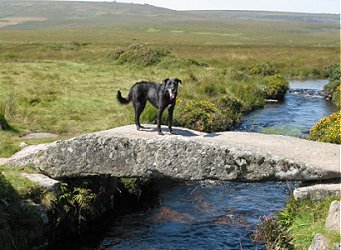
(178, 80)
(165, 81)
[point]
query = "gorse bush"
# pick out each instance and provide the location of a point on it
(139, 55)
(206, 116)
(197, 115)
(275, 87)
(264, 69)
(327, 130)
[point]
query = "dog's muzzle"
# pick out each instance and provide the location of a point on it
(172, 93)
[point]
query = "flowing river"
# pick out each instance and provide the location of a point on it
(199, 215)
(304, 105)
(217, 214)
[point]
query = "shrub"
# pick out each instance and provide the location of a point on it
(332, 91)
(275, 87)
(191, 61)
(264, 69)
(332, 72)
(327, 130)
(79, 44)
(230, 103)
(336, 97)
(210, 89)
(331, 86)
(206, 116)
(197, 115)
(139, 54)
(239, 75)
(272, 234)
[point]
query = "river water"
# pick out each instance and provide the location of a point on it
(304, 105)
(199, 215)
(216, 214)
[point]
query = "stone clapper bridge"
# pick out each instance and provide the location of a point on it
(189, 155)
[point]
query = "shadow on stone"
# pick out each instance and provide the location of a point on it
(178, 131)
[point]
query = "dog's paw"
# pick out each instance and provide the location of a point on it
(172, 132)
(160, 133)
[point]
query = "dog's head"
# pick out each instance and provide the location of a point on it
(170, 87)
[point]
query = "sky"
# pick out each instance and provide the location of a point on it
(308, 6)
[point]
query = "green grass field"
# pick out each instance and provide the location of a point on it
(59, 75)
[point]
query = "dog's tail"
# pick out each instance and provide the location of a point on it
(121, 99)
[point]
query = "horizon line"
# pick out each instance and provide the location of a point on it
(261, 10)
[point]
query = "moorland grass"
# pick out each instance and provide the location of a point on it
(66, 84)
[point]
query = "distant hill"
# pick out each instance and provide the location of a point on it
(62, 14)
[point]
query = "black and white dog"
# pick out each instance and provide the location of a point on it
(162, 96)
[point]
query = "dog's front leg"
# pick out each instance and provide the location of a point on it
(170, 119)
(159, 117)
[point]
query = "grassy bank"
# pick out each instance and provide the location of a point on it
(33, 217)
(296, 225)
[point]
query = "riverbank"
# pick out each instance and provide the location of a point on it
(40, 213)
(303, 224)
(64, 218)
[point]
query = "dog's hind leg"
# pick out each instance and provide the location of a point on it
(139, 107)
